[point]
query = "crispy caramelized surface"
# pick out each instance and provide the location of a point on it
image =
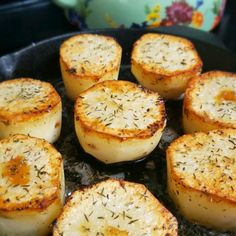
(30, 171)
(120, 108)
(90, 54)
(25, 98)
(211, 97)
(165, 54)
(115, 207)
(206, 162)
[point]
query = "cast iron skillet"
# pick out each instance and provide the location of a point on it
(41, 61)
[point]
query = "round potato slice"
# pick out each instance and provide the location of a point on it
(165, 63)
(87, 59)
(201, 174)
(210, 102)
(31, 186)
(29, 106)
(115, 207)
(118, 121)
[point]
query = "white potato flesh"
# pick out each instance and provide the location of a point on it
(115, 207)
(119, 121)
(201, 178)
(164, 63)
(210, 102)
(32, 186)
(87, 59)
(30, 107)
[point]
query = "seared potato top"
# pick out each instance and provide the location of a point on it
(165, 54)
(90, 54)
(206, 162)
(213, 96)
(115, 207)
(30, 170)
(24, 98)
(121, 109)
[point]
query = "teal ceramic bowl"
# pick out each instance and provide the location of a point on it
(97, 14)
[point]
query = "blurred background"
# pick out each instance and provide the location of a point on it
(27, 21)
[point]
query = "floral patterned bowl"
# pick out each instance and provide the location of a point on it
(201, 14)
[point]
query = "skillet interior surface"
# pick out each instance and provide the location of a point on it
(41, 61)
